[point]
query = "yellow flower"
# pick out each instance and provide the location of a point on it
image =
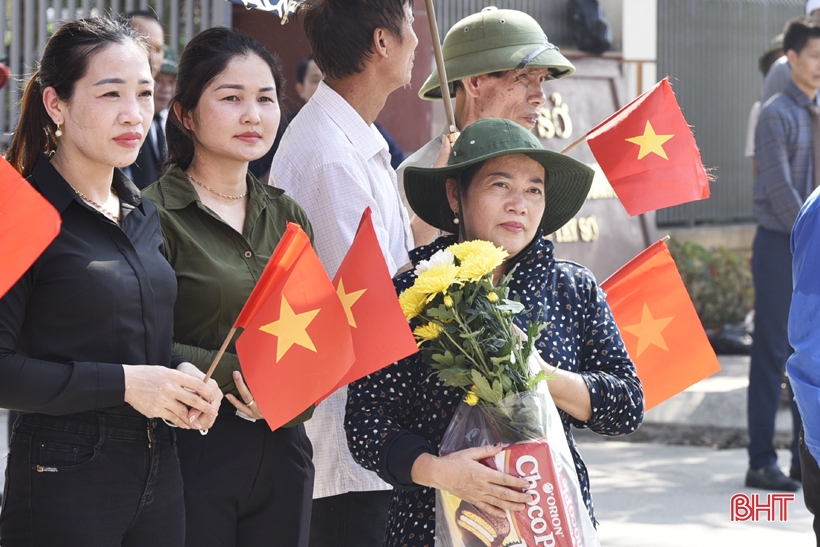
(477, 259)
(448, 301)
(471, 398)
(427, 332)
(492, 297)
(412, 303)
(436, 280)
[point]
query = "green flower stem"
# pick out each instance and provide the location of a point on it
(477, 350)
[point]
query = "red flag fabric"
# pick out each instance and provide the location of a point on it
(659, 325)
(380, 332)
(296, 345)
(648, 153)
(28, 223)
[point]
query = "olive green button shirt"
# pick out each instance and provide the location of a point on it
(216, 266)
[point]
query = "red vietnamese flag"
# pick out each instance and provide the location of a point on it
(28, 223)
(659, 325)
(381, 334)
(648, 153)
(295, 346)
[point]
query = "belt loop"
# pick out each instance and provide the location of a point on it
(102, 418)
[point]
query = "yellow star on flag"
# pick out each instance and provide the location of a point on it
(650, 142)
(290, 328)
(649, 330)
(348, 299)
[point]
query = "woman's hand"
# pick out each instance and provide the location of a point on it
(204, 421)
(461, 474)
(246, 405)
(159, 392)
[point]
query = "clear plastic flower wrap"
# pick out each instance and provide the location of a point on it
(535, 449)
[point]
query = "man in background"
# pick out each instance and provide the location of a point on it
(496, 61)
(148, 166)
(334, 162)
(164, 88)
(308, 77)
(787, 173)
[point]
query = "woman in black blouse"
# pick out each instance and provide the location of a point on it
(500, 185)
(85, 334)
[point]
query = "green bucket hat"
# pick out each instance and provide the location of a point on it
(494, 40)
(567, 185)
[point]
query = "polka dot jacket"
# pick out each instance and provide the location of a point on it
(402, 411)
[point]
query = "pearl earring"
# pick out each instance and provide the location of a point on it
(455, 220)
(59, 132)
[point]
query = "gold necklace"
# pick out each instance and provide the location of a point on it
(211, 190)
(97, 206)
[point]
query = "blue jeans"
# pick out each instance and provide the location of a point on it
(92, 479)
(772, 273)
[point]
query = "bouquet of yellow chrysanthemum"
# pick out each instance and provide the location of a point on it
(464, 325)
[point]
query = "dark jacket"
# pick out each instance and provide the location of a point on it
(402, 411)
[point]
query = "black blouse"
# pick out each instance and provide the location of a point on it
(100, 296)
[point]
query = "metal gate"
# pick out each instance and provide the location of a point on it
(710, 50)
(29, 23)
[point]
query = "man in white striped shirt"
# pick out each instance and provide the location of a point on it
(334, 162)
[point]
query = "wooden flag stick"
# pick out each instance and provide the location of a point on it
(442, 75)
(219, 354)
(576, 143)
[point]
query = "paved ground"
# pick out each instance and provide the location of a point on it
(655, 495)
(671, 484)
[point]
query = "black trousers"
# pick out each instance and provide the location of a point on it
(246, 485)
(354, 519)
(92, 480)
(772, 274)
(811, 485)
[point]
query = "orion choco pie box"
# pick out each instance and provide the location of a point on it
(550, 519)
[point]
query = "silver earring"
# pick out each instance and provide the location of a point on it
(59, 132)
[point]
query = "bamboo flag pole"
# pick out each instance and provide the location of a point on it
(219, 354)
(576, 143)
(442, 75)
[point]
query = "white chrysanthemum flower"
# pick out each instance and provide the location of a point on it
(443, 257)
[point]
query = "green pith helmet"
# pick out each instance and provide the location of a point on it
(567, 185)
(494, 40)
(169, 63)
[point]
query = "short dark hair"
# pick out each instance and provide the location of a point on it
(301, 68)
(797, 32)
(204, 58)
(340, 32)
(65, 61)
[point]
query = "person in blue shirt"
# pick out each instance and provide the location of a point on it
(804, 335)
(784, 149)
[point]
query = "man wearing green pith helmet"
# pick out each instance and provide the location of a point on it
(496, 61)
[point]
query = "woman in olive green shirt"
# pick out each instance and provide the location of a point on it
(244, 484)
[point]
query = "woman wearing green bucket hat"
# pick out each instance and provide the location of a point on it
(499, 185)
